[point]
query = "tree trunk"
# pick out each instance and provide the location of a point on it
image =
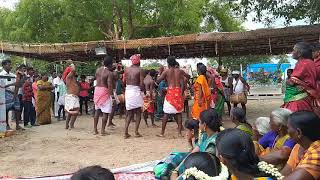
(118, 22)
(130, 19)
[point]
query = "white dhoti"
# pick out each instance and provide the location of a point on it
(105, 107)
(71, 102)
(168, 108)
(133, 97)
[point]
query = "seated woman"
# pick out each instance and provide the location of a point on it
(304, 160)
(209, 127)
(202, 165)
(260, 128)
(238, 117)
(192, 132)
(93, 172)
(235, 149)
(276, 145)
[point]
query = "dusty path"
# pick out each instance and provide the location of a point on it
(51, 150)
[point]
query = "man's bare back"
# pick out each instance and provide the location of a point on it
(102, 76)
(174, 76)
(134, 76)
(71, 83)
(148, 83)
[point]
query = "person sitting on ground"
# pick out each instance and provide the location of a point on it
(235, 149)
(210, 124)
(238, 117)
(260, 128)
(93, 173)
(192, 132)
(304, 160)
(202, 165)
(277, 143)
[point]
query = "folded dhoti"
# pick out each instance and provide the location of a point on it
(102, 99)
(173, 102)
(148, 103)
(133, 97)
(71, 102)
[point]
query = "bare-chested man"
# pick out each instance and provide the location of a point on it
(72, 105)
(115, 77)
(150, 95)
(173, 103)
(133, 95)
(103, 94)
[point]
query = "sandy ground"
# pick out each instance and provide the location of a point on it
(52, 150)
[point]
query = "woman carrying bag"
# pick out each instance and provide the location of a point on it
(239, 90)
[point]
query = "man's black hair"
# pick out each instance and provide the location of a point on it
(107, 61)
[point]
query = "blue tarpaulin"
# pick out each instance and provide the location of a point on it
(267, 67)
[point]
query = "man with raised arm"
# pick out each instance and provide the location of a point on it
(173, 103)
(133, 76)
(103, 94)
(72, 105)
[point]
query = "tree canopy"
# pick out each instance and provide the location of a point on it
(269, 10)
(81, 20)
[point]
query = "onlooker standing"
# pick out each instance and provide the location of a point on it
(44, 102)
(56, 82)
(84, 94)
(12, 101)
(29, 114)
(62, 93)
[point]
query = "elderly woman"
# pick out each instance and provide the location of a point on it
(304, 160)
(260, 128)
(43, 100)
(238, 117)
(277, 143)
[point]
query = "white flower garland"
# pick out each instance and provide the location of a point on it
(200, 175)
(270, 169)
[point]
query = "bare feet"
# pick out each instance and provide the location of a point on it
(104, 133)
(160, 135)
(138, 135)
(67, 126)
(154, 126)
(111, 125)
(180, 135)
(19, 128)
(127, 136)
(95, 132)
(9, 128)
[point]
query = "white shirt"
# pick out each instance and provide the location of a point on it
(56, 82)
(239, 88)
(11, 79)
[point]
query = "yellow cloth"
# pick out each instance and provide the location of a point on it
(311, 160)
(202, 83)
(43, 103)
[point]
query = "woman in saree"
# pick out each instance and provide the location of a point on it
(217, 93)
(238, 117)
(304, 160)
(43, 100)
(301, 88)
(275, 146)
(202, 93)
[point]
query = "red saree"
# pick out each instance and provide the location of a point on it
(304, 77)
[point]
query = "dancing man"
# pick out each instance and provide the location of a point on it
(173, 103)
(103, 94)
(72, 105)
(133, 96)
(149, 98)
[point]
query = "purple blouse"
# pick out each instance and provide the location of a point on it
(268, 141)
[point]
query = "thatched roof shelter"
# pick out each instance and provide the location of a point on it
(256, 42)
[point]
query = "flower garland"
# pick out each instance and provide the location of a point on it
(200, 175)
(270, 169)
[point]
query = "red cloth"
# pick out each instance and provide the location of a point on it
(135, 59)
(148, 105)
(305, 70)
(101, 95)
(84, 86)
(317, 62)
(174, 97)
(27, 91)
(66, 72)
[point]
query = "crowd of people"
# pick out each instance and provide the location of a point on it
(285, 145)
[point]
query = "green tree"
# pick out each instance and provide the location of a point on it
(269, 10)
